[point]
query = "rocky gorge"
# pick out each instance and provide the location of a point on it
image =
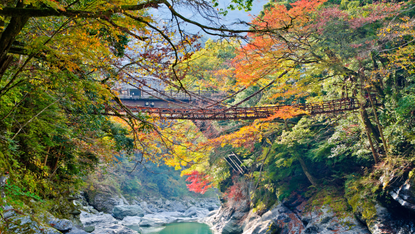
(393, 213)
(291, 215)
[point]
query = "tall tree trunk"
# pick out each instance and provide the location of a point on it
(8, 37)
(370, 130)
(307, 173)
(368, 124)
(385, 144)
(369, 136)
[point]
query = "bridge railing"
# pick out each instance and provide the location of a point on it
(171, 94)
(222, 113)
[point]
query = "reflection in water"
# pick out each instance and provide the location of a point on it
(176, 228)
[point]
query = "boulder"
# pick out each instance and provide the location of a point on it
(18, 223)
(106, 202)
(144, 206)
(76, 231)
(113, 229)
(93, 220)
(232, 227)
(192, 211)
(283, 217)
(61, 224)
(153, 221)
(266, 227)
(177, 206)
(405, 194)
(159, 219)
(131, 220)
(120, 212)
(324, 220)
(386, 222)
(89, 229)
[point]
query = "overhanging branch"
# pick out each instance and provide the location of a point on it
(45, 12)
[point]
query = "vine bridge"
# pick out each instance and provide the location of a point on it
(234, 113)
(208, 105)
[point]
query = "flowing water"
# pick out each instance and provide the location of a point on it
(177, 228)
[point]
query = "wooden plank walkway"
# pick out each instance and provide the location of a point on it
(333, 106)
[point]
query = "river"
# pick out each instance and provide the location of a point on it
(177, 228)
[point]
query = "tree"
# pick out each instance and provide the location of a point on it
(59, 61)
(200, 182)
(319, 46)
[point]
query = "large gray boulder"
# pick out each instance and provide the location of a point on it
(405, 194)
(196, 212)
(386, 222)
(18, 224)
(43, 223)
(232, 227)
(76, 231)
(113, 229)
(159, 219)
(324, 220)
(177, 206)
(97, 219)
(104, 198)
(62, 225)
(120, 212)
(106, 202)
(131, 221)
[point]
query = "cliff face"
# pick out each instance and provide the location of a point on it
(284, 217)
(393, 213)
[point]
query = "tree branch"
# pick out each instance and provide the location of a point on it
(45, 12)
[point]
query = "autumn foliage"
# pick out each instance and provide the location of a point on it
(236, 192)
(200, 182)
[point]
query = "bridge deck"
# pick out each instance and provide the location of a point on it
(339, 105)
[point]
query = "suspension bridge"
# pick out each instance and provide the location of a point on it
(235, 113)
(208, 105)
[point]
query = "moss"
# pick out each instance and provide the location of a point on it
(361, 194)
(332, 197)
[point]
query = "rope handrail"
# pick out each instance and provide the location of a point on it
(332, 106)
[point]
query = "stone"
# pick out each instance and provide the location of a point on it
(131, 220)
(232, 227)
(153, 221)
(26, 224)
(93, 220)
(177, 206)
(405, 195)
(107, 201)
(113, 229)
(76, 231)
(120, 212)
(89, 229)
(61, 224)
(192, 211)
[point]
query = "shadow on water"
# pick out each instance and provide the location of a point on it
(176, 228)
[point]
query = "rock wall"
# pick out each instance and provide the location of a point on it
(290, 216)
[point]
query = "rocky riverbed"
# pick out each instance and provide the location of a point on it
(145, 215)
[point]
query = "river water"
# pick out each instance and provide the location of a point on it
(178, 228)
